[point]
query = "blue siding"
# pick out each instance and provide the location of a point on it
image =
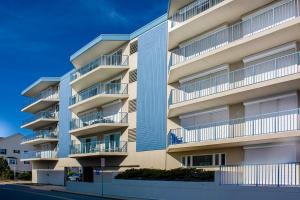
(64, 117)
(152, 89)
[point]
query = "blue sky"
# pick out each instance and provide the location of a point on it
(38, 37)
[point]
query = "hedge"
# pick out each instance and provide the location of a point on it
(180, 174)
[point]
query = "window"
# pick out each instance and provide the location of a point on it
(3, 151)
(12, 161)
(26, 162)
(204, 160)
(17, 151)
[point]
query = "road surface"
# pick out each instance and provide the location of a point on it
(17, 192)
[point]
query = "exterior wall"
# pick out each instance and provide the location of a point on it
(64, 117)
(181, 190)
(151, 89)
(234, 155)
(12, 143)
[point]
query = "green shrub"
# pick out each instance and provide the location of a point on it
(180, 174)
(24, 176)
(7, 174)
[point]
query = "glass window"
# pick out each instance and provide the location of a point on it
(204, 160)
(217, 158)
(183, 161)
(223, 159)
(12, 161)
(16, 151)
(188, 161)
(26, 162)
(3, 151)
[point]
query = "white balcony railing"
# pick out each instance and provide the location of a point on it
(98, 147)
(266, 20)
(43, 115)
(269, 123)
(192, 10)
(279, 175)
(95, 118)
(45, 95)
(43, 154)
(42, 134)
(270, 69)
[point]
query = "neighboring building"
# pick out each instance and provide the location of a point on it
(212, 83)
(11, 150)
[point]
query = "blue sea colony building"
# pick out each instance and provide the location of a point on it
(211, 83)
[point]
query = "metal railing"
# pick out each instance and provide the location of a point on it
(266, 20)
(104, 60)
(267, 70)
(100, 88)
(47, 95)
(42, 134)
(43, 154)
(98, 118)
(280, 175)
(42, 115)
(270, 123)
(98, 147)
(192, 10)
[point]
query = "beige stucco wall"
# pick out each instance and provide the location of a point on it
(234, 155)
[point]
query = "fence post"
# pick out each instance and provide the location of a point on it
(278, 175)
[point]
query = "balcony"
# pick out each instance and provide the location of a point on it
(192, 10)
(97, 148)
(41, 101)
(40, 137)
(187, 22)
(101, 69)
(97, 95)
(46, 155)
(237, 41)
(277, 174)
(271, 127)
(41, 119)
(98, 122)
(281, 74)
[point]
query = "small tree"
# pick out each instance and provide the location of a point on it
(5, 171)
(3, 165)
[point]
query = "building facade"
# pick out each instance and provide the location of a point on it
(11, 150)
(234, 85)
(212, 83)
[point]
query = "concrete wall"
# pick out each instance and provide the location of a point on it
(182, 190)
(52, 177)
(64, 117)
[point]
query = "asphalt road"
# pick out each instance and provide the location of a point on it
(16, 192)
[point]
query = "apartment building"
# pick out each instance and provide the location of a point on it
(114, 98)
(11, 150)
(233, 85)
(212, 84)
(92, 121)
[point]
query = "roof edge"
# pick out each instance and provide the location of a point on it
(99, 39)
(42, 79)
(120, 37)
